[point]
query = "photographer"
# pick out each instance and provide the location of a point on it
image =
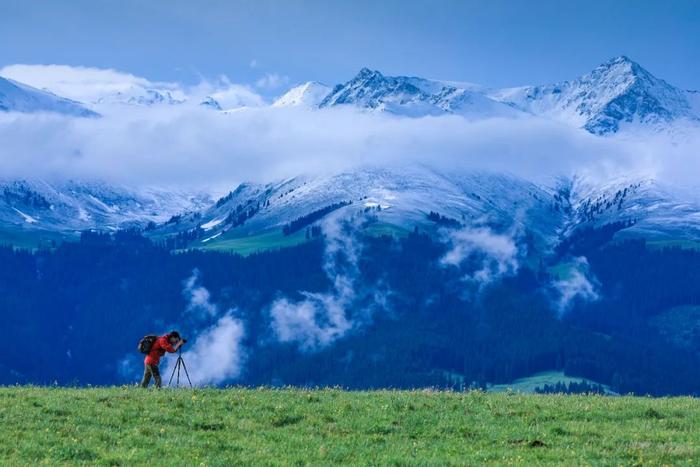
(167, 343)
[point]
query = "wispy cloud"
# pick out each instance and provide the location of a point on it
(272, 81)
(83, 84)
(198, 297)
(578, 284)
(490, 255)
(217, 353)
(319, 319)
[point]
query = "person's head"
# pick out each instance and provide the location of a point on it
(173, 337)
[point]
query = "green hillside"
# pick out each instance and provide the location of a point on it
(130, 426)
(538, 380)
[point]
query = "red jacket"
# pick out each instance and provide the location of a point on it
(160, 346)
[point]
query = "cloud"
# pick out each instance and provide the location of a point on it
(578, 284)
(105, 87)
(196, 146)
(314, 322)
(271, 81)
(83, 84)
(234, 96)
(189, 145)
(319, 319)
(489, 254)
(198, 297)
(217, 354)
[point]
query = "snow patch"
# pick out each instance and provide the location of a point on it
(27, 218)
(212, 223)
(212, 237)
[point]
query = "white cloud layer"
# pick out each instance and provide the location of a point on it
(196, 146)
(83, 84)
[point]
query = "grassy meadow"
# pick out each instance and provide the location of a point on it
(130, 426)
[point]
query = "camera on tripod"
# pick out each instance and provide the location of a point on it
(180, 365)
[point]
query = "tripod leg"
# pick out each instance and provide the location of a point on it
(179, 363)
(184, 367)
(173, 373)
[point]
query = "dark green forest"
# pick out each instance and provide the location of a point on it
(72, 315)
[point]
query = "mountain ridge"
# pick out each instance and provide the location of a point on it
(20, 97)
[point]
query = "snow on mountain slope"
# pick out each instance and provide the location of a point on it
(18, 97)
(398, 196)
(142, 96)
(74, 206)
(401, 198)
(658, 210)
(617, 93)
(309, 94)
(211, 103)
(414, 97)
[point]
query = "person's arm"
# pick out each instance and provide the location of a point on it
(165, 344)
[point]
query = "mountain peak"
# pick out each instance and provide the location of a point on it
(308, 94)
(617, 92)
(366, 74)
(20, 97)
(623, 68)
(619, 60)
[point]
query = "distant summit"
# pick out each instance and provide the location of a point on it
(617, 95)
(617, 92)
(412, 96)
(18, 97)
(309, 94)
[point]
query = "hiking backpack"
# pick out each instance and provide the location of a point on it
(146, 344)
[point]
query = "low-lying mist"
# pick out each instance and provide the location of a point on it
(191, 146)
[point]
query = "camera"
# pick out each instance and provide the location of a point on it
(184, 341)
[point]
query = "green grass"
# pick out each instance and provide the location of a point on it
(528, 384)
(236, 242)
(246, 245)
(130, 426)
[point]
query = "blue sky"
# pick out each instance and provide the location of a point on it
(495, 42)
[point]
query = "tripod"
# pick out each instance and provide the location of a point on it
(179, 364)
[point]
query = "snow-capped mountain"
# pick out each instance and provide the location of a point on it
(414, 97)
(617, 93)
(70, 206)
(309, 94)
(398, 199)
(389, 199)
(18, 97)
(658, 210)
(211, 103)
(137, 95)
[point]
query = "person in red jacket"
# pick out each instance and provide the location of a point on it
(167, 343)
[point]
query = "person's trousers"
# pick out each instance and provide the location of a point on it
(148, 371)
